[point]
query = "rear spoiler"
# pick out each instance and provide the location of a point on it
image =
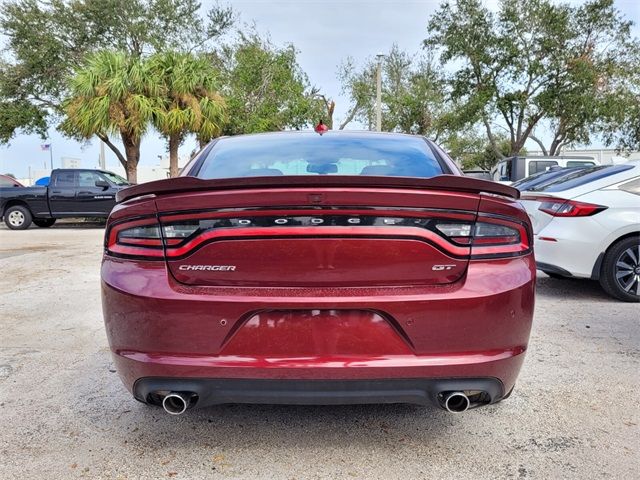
(455, 183)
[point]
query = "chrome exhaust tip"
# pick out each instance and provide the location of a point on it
(175, 403)
(456, 402)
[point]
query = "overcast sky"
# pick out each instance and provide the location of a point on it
(324, 32)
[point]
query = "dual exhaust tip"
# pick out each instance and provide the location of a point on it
(176, 403)
(456, 402)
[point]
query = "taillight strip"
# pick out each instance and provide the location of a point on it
(136, 251)
(153, 247)
(314, 232)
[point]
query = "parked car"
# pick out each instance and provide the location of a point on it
(513, 169)
(319, 269)
(547, 176)
(70, 193)
(9, 182)
(587, 225)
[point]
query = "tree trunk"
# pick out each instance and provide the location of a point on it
(132, 151)
(174, 143)
(331, 106)
(491, 137)
(516, 147)
(350, 116)
(113, 148)
(539, 142)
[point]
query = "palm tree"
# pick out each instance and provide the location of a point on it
(188, 102)
(113, 94)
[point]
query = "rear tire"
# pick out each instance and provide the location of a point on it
(620, 274)
(554, 275)
(17, 217)
(44, 222)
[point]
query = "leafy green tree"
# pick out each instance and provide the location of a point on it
(359, 85)
(265, 89)
(622, 126)
(46, 41)
(323, 109)
(413, 94)
(189, 101)
(474, 151)
(114, 93)
(621, 122)
(532, 64)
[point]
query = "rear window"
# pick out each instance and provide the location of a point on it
(579, 163)
(541, 165)
(275, 155)
(581, 177)
(65, 179)
(632, 187)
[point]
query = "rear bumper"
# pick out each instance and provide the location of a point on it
(418, 391)
(477, 328)
(545, 267)
(570, 247)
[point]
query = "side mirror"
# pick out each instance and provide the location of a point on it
(102, 184)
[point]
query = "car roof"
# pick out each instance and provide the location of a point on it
(597, 184)
(355, 134)
(10, 178)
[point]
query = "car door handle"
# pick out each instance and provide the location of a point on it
(56, 191)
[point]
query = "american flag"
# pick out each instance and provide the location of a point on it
(45, 147)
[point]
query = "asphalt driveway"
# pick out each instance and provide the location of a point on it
(65, 414)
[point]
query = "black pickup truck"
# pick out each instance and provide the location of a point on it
(70, 193)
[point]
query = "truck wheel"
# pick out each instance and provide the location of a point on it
(17, 217)
(44, 222)
(620, 275)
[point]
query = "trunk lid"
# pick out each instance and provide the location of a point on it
(531, 202)
(270, 235)
(539, 219)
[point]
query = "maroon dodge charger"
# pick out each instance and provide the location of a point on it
(301, 268)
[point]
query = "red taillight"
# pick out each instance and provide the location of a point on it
(497, 238)
(569, 208)
(489, 238)
(140, 239)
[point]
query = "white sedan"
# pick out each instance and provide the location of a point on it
(587, 225)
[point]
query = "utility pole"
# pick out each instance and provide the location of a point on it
(102, 159)
(379, 56)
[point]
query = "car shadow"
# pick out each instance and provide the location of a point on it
(59, 225)
(291, 426)
(575, 288)
(110, 408)
(62, 225)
